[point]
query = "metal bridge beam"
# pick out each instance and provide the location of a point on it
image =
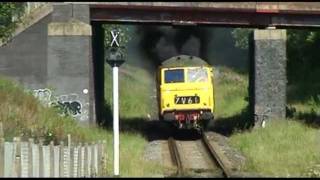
(233, 17)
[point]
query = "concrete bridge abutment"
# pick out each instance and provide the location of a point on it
(268, 75)
(70, 60)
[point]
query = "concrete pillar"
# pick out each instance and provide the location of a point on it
(70, 62)
(269, 75)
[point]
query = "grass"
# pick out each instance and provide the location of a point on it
(285, 148)
(136, 91)
(231, 90)
(132, 163)
(136, 105)
(23, 115)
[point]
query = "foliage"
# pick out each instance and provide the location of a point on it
(302, 44)
(231, 90)
(303, 47)
(241, 36)
(8, 12)
(284, 148)
(137, 102)
(23, 115)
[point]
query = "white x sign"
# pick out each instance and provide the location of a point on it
(114, 38)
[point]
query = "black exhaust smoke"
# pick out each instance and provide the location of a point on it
(162, 42)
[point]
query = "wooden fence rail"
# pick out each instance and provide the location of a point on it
(27, 159)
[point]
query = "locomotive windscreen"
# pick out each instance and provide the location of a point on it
(197, 75)
(174, 76)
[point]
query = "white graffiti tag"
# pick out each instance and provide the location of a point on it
(44, 95)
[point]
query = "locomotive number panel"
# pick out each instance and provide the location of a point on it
(187, 100)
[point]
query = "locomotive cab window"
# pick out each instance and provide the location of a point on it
(174, 76)
(197, 75)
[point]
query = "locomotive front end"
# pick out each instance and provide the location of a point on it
(187, 96)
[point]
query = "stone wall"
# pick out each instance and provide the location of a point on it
(269, 81)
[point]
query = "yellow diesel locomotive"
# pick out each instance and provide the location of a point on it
(186, 94)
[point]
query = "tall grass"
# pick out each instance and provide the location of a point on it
(231, 92)
(285, 148)
(23, 115)
(136, 91)
(132, 163)
(136, 104)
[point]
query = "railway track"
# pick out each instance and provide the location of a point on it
(198, 156)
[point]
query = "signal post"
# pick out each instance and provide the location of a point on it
(115, 59)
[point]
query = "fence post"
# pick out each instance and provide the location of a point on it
(79, 160)
(2, 157)
(85, 160)
(1, 151)
(30, 158)
(89, 159)
(61, 156)
(51, 159)
(93, 160)
(41, 166)
(71, 158)
(99, 158)
(17, 157)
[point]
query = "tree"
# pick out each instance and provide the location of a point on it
(10, 16)
(241, 36)
(302, 52)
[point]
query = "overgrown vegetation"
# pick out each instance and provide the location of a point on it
(10, 16)
(231, 92)
(135, 92)
(285, 148)
(289, 147)
(136, 106)
(23, 115)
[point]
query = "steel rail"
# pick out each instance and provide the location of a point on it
(175, 155)
(214, 155)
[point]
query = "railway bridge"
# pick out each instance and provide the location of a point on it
(58, 47)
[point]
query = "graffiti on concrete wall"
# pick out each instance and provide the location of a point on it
(67, 104)
(44, 96)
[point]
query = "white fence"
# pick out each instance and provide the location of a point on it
(27, 159)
